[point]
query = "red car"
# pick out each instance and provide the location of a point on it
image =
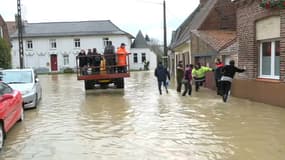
(11, 110)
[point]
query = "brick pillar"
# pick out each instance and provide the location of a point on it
(282, 46)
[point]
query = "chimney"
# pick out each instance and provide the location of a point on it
(202, 2)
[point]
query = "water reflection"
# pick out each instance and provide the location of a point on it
(138, 123)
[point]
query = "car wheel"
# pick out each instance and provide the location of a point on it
(1, 137)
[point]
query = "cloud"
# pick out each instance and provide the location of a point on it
(129, 15)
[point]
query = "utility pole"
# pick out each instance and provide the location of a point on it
(165, 57)
(20, 34)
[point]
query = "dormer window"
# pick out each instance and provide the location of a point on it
(52, 43)
(29, 44)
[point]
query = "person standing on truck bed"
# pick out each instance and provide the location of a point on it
(96, 61)
(90, 60)
(109, 54)
(82, 61)
(122, 61)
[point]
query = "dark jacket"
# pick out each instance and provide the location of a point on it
(97, 58)
(82, 59)
(230, 70)
(109, 49)
(179, 72)
(109, 54)
(188, 74)
(218, 70)
(161, 73)
(90, 58)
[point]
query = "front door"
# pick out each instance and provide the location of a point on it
(53, 62)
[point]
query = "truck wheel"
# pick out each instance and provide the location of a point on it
(88, 84)
(120, 83)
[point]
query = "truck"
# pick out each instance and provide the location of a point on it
(104, 74)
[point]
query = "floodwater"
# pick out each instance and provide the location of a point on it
(139, 124)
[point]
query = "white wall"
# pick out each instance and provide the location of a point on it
(150, 56)
(39, 56)
(268, 28)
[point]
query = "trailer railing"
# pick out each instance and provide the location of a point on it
(96, 67)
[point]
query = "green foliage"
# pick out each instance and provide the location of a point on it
(272, 4)
(5, 54)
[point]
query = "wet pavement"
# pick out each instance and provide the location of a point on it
(138, 123)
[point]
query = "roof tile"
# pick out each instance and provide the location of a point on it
(218, 39)
(78, 28)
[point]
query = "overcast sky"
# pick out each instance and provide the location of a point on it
(129, 15)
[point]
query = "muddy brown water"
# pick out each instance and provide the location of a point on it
(138, 123)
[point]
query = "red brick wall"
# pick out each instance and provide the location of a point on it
(260, 91)
(282, 45)
(5, 29)
(248, 12)
(222, 16)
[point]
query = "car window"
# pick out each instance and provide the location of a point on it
(17, 77)
(1, 75)
(5, 89)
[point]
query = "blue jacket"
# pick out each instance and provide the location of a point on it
(161, 73)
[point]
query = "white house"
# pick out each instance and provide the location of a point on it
(53, 46)
(141, 53)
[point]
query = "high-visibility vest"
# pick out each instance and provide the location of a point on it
(122, 54)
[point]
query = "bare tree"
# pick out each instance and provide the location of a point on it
(157, 48)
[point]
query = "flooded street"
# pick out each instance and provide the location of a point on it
(138, 123)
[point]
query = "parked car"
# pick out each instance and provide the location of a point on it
(27, 82)
(11, 109)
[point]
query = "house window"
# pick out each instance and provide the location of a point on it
(143, 57)
(1, 32)
(29, 44)
(105, 41)
(65, 60)
(52, 43)
(270, 59)
(77, 43)
(135, 58)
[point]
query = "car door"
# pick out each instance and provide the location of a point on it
(8, 106)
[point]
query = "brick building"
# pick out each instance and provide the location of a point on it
(4, 30)
(209, 32)
(261, 39)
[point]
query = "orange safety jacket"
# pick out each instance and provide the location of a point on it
(122, 54)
